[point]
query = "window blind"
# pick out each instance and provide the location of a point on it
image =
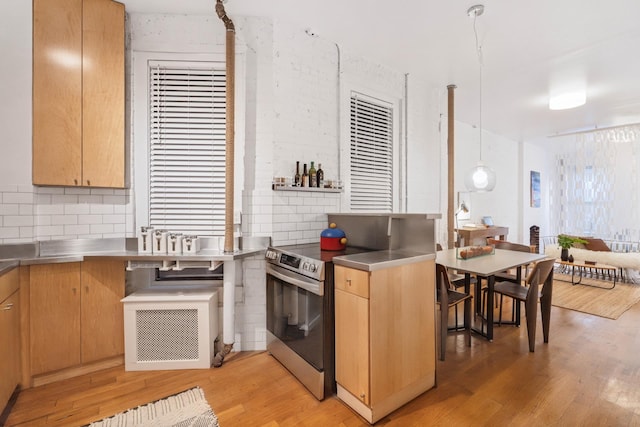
(371, 154)
(187, 111)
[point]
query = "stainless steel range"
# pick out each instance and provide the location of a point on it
(300, 313)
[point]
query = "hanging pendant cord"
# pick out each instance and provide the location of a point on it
(479, 52)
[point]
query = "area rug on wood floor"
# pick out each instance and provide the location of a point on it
(609, 303)
(189, 408)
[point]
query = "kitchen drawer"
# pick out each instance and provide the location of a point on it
(9, 283)
(351, 280)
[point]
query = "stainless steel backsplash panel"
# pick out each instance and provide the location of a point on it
(80, 246)
(18, 251)
(388, 231)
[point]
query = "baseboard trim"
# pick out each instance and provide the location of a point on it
(76, 371)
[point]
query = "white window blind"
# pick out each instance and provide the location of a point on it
(371, 154)
(187, 148)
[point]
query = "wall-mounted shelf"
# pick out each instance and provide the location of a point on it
(307, 189)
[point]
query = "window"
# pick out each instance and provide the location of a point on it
(371, 154)
(187, 147)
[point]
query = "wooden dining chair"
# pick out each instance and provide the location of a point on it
(457, 280)
(505, 276)
(448, 297)
(541, 275)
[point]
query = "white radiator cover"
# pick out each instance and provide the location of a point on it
(170, 329)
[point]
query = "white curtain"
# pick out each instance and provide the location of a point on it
(595, 189)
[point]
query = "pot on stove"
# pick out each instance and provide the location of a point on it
(333, 239)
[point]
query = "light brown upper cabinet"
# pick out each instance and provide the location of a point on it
(78, 93)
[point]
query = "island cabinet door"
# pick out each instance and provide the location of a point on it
(102, 319)
(402, 304)
(54, 302)
(352, 344)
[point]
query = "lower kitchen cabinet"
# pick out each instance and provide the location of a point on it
(76, 316)
(9, 335)
(385, 336)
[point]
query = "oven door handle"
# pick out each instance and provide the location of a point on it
(315, 287)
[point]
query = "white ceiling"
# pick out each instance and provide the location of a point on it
(527, 47)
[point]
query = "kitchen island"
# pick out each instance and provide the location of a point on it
(385, 329)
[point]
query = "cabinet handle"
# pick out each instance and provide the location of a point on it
(348, 282)
(88, 182)
(75, 181)
(8, 306)
(362, 396)
(73, 290)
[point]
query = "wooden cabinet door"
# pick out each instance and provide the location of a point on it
(54, 302)
(103, 147)
(78, 93)
(57, 92)
(10, 371)
(352, 344)
(102, 318)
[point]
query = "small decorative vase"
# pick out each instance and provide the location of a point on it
(564, 255)
(570, 258)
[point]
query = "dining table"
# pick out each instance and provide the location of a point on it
(486, 267)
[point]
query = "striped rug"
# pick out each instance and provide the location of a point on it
(186, 409)
(609, 303)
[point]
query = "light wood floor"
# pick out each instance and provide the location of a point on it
(588, 375)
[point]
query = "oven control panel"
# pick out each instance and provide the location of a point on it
(300, 264)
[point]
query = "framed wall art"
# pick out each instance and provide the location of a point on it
(535, 189)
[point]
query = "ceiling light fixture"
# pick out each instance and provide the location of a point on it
(481, 178)
(568, 100)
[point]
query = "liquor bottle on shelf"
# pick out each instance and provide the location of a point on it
(304, 180)
(320, 176)
(296, 180)
(312, 176)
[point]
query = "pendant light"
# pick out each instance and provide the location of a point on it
(481, 178)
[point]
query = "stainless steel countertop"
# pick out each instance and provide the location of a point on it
(203, 255)
(378, 260)
(61, 251)
(6, 266)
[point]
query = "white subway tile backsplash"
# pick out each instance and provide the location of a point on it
(9, 232)
(77, 190)
(30, 213)
(8, 188)
(10, 209)
(114, 200)
(64, 219)
(49, 190)
(103, 191)
(60, 199)
(43, 220)
(89, 199)
(50, 230)
(26, 233)
(76, 229)
(49, 209)
(24, 209)
(17, 221)
(113, 219)
(101, 228)
(77, 209)
(17, 198)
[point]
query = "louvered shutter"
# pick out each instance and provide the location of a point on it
(371, 154)
(187, 148)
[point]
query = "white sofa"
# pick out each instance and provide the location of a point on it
(629, 262)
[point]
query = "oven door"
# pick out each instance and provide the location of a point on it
(295, 315)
